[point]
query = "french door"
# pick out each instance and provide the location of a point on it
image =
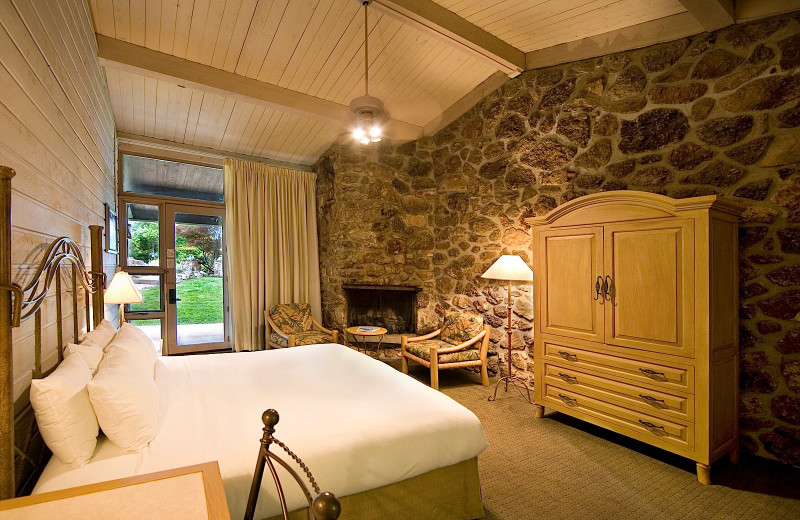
(175, 254)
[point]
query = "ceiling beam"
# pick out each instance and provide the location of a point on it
(128, 57)
(437, 21)
(712, 14)
(162, 149)
(634, 37)
(747, 10)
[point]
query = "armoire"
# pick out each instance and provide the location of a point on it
(636, 319)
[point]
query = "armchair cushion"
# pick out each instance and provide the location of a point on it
(422, 349)
(459, 327)
(302, 338)
(292, 318)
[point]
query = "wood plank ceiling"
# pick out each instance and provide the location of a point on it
(426, 65)
(536, 24)
(311, 47)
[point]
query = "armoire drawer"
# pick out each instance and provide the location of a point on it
(678, 378)
(653, 429)
(624, 394)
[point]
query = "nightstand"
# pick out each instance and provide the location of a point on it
(189, 493)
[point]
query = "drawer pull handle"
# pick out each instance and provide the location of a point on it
(567, 356)
(652, 401)
(569, 401)
(568, 378)
(658, 430)
(652, 374)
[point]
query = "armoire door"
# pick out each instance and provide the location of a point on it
(570, 263)
(651, 269)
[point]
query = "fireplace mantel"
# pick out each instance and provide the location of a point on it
(408, 288)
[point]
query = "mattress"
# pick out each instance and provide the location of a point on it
(356, 422)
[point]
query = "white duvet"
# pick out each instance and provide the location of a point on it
(356, 422)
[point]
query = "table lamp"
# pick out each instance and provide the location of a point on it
(121, 291)
(510, 268)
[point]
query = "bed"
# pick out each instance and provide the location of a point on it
(387, 445)
(382, 426)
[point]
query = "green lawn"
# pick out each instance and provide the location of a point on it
(201, 301)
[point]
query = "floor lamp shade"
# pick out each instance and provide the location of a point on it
(509, 267)
(120, 291)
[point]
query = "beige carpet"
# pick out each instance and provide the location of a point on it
(558, 467)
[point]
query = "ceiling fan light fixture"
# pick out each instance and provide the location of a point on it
(375, 134)
(367, 110)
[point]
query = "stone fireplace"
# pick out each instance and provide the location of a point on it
(390, 306)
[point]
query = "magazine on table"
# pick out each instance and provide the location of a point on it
(367, 329)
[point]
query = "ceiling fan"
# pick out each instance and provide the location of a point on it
(367, 110)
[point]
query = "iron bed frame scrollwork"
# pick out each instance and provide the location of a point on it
(324, 506)
(22, 451)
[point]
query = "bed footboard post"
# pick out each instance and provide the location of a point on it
(270, 419)
(7, 481)
(98, 309)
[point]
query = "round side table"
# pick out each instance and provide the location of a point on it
(360, 337)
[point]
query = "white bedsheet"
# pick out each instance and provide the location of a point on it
(356, 422)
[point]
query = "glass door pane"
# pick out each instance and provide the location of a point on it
(143, 235)
(142, 230)
(196, 288)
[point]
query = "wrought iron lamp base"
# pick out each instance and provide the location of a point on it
(516, 382)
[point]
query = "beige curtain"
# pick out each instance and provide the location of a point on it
(271, 229)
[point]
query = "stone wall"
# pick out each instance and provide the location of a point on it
(712, 114)
(375, 209)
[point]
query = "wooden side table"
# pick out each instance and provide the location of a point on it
(190, 493)
(360, 337)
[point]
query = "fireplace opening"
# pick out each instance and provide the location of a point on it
(390, 306)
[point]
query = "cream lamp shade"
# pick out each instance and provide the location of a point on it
(509, 267)
(121, 290)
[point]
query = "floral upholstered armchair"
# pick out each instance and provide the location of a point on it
(463, 341)
(291, 324)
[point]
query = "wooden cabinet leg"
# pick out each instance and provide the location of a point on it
(734, 455)
(703, 473)
(538, 411)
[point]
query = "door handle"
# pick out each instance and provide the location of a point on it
(597, 288)
(607, 288)
(172, 297)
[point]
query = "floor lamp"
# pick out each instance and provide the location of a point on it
(122, 291)
(510, 268)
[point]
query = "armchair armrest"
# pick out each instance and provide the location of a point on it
(334, 333)
(430, 335)
(462, 346)
(271, 325)
(320, 327)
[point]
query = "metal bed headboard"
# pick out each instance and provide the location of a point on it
(22, 450)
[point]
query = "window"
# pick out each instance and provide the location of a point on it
(146, 176)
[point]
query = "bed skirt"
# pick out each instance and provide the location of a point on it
(449, 493)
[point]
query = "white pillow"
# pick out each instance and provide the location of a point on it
(64, 414)
(125, 398)
(91, 354)
(101, 335)
(131, 339)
